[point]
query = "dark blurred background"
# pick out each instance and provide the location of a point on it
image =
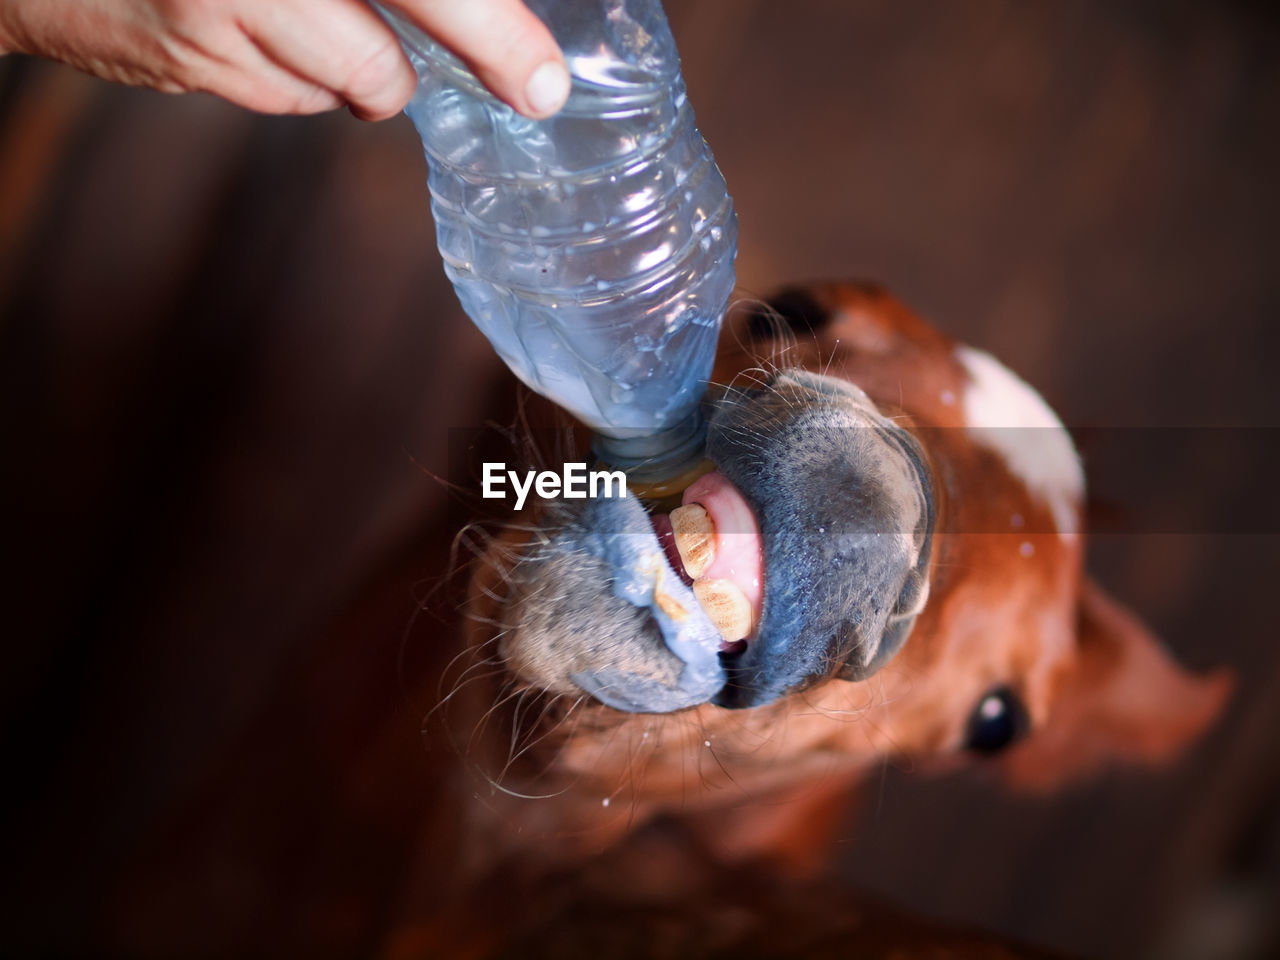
(230, 363)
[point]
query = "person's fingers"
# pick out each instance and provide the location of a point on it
(340, 45)
(505, 45)
(267, 88)
(230, 64)
(295, 56)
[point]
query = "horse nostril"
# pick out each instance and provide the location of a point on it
(796, 308)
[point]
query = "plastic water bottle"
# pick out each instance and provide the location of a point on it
(594, 249)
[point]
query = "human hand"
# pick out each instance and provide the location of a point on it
(290, 56)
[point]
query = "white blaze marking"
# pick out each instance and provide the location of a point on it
(1007, 416)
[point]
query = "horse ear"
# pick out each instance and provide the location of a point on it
(1122, 699)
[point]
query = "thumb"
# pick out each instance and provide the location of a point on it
(508, 48)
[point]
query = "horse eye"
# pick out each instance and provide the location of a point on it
(998, 720)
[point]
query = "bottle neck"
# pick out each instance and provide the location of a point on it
(656, 457)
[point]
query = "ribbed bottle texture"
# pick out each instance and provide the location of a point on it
(594, 249)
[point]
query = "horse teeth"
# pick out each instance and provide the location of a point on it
(726, 606)
(695, 538)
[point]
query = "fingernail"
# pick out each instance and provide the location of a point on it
(547, 88)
